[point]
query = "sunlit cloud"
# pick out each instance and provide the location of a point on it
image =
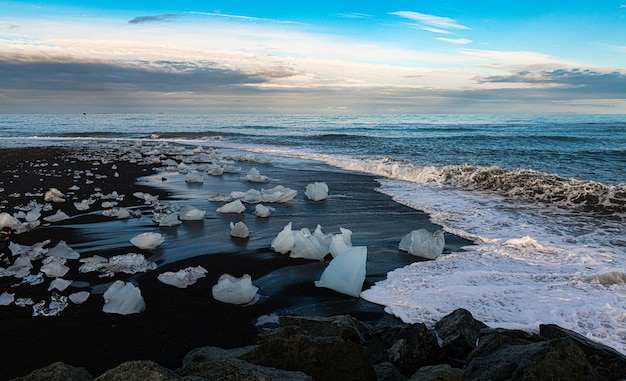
(436, 24)
(457, 41)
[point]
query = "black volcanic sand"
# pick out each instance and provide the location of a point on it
(178, 320)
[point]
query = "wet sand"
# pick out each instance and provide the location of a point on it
(178, 320)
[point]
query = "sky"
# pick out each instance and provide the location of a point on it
(448, 56)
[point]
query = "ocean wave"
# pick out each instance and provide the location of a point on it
(519, 184)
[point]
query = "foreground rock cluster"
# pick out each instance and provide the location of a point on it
(459, 347)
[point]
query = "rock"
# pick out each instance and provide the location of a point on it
(323, 358)
(240, 370)
(386, 371)
(441, 372)
(609, 363)
(344, 326)
(57, 371)
(516, 355)
(212, 354)
(458, 332)
(139, 371)
(407, 346)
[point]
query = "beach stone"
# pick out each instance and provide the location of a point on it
(139, 371)
(211, 354)
(441, 372)
(517, 355)
(57, 371)
(608, 362)
(407, 346)
(458, 333)
(386, 371)
(344, 326)
(239, 370)
(323, 358)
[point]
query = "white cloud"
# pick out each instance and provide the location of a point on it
(432, 21)
(457, 41)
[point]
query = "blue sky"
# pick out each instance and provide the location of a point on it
(325, 57)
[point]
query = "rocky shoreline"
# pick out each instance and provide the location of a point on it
(341, 347)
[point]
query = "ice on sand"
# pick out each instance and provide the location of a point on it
(284, 241)
(147, 241)
(58, 216)
(119, 213)
(263, 211)
(54, 267)
(278, 194)
(79, 297)
(59, 284)
(340, 242)
(232, 207)
(6, 298)
(8, 220)
(309, 246)
(194, 177)
(54, 195)
(183, 278)
(239, 230)
(317, 191)
(130, 263)
(123, 298)
(233, 290)
(189, 213)
(346, 272)
(254, 176)
(423, 243)
(62, 250)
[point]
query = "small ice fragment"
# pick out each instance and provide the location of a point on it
(57, 304)
(184, 277)
(170, 219)
(284, 241)
(74, 188)
(59, 284)
(54, 195)
(189, 213)
(232, 207)
(341, 242)
(54, 267)
(239, 230)
(8, 220)
(58, 216)
(316, 191)
(233, 290)
(62, 250)
(123, 298)
(278, 194)
(6, 298)
(308, 246)
(214, 170)
(83, 205)
(147, 241)
(183, 168)
(193, 177)
(119, 213)
(79, 297)
(423, 243)
(254, 176)
(346, 272)
(108, 204)
(267, 319)
(263, 211)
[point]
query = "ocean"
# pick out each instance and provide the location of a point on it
(543, 198)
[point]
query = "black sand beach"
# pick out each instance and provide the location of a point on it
(178, 320)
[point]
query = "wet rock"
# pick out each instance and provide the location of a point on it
(58, 371)
(441, 372)
(139, 371)
(458, 333)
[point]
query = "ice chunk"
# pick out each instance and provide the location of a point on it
(316, 191)
(79, 297)
(184, 277)
(278, 194)
(341, 242)
(308, 246)
(214, 170)
(189, 213)
(232, 207)
(127, 263)
(263, 211)
(19, 269)
(62, 250)
(83, 205)
(54, 195)
(194, 177)
(170, 219)
(54, 267)
(8, 220)
(58, 216)
(119, 213)
(57, 304)
(59, 284)
(423, 243)
(33, 214)
(147, 241)
(284, 241)
(254, 176)
(230, 289)
(123, 298)
(183, 168)
(346, 272)
(239, 230)
(6, 298)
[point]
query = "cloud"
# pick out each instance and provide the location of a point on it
(432, 23)
(457, 41)
(153, 19)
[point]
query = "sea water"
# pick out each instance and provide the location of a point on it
(542, 196)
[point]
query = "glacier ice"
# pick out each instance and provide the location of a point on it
(6, 298)
(148, 240)
(58, 216)
(340, 242)
(169, 220)
(123, 298)
(62, 250)
(119, 213)
(317, 191)
(194, 177)
(79, 297)
(189, 213)
(284, 241)
(54, 267)
(263, 211)
(54, 195)
(57, 304)
(59, 284)
(346, 272)
(309, 246)
(232, 207)
(233, 290)
(423, 243)
(277, 194)
(131, 263)
(239, 230)
(184, 277)
(254, 176)
(8, 220)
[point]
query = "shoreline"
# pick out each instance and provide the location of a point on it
(178, 320)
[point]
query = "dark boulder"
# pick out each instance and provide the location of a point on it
(458, 333)
(58, 371)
